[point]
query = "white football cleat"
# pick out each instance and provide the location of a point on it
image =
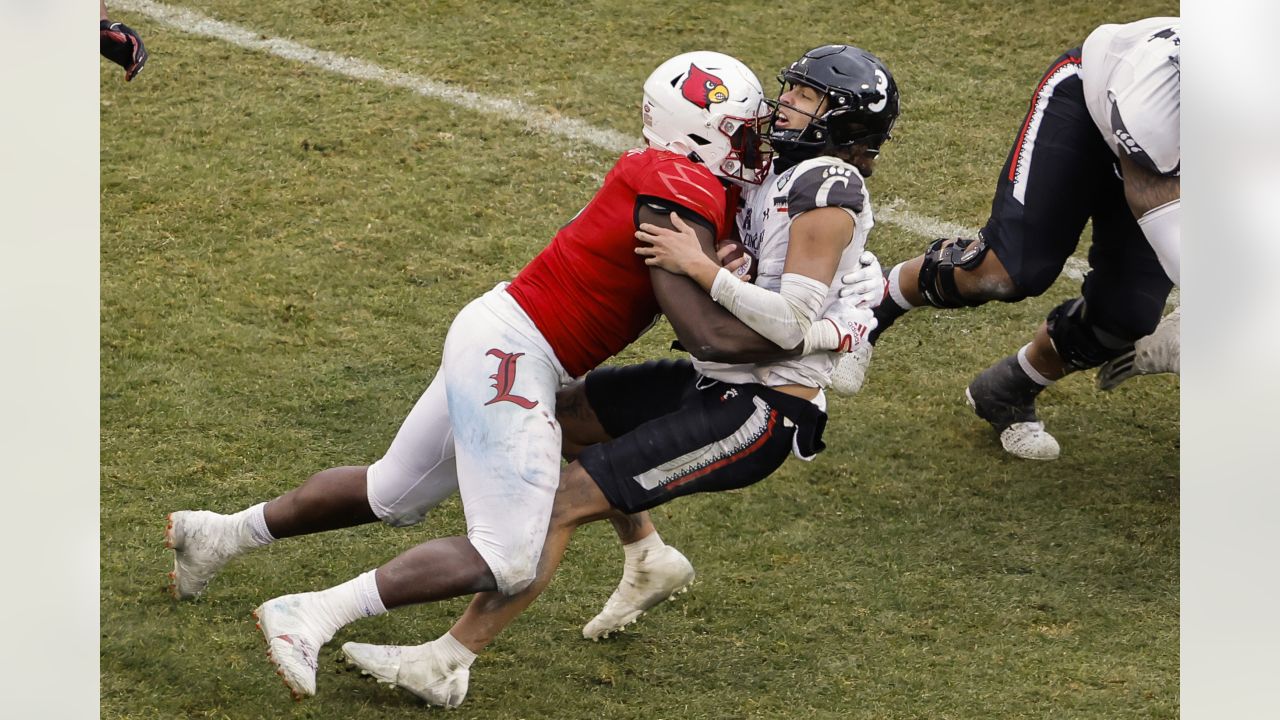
(995, 396)
(1029, 441)
(661, 575)
(293, 641)
(850, 371)
(202, 542)
(421, 669)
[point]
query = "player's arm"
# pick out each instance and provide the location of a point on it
(706, 329)
(1156, 201)
(788, 318)
(816, 239)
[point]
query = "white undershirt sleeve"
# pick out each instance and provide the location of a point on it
(784, 317)
(1164, 231)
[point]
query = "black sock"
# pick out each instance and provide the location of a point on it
(886, 312)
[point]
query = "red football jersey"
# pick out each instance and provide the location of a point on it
(588, 292)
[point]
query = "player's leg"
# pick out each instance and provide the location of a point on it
(581, 428)
(415, 474)
(1126, 292)
(747, 434)
(1122, 299)
(1059, 168)
(1021, 249)
(500, 379)
(439, 671)
(647, 560)
(723, 436)
(620, 399)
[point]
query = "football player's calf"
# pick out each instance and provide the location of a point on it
(952, 273)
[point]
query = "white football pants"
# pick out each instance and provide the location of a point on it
(486, 426)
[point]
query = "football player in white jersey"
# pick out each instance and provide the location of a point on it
(665, 429)
(1099, 143)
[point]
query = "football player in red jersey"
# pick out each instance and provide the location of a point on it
(670, 428)
(486, 427)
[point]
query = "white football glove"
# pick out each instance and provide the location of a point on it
(1159, 352)
(866, 283)
(850, 369)
(852, 323)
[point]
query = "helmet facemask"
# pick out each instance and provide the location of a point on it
(749, 155)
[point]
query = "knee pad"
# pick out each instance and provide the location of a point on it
(1080, 343)
(395, 500)
(390, 514)
(513, 569)
(407, 519)
(937, 273)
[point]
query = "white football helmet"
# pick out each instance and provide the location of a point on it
(709, 107)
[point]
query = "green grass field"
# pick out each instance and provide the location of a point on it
(283, 249)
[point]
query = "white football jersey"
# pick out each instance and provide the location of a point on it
(764, 226)
(1132, 87)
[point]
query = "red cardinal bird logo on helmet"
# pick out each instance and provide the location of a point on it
(702, 88)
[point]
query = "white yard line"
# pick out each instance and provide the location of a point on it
(894, 211)
(197, 24)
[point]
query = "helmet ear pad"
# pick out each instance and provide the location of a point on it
(845, 127)
(842, 123)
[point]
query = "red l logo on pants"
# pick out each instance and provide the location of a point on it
(505, 379)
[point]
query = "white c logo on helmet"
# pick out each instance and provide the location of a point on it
(882, 84)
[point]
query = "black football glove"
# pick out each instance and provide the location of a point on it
(122, 46)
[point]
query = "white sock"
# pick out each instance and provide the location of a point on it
(636, 552)
(1030, 369)
(343, 604)
(455, 652)
(895, 288)
(256, 520)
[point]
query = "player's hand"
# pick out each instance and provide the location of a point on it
(1159, 352)
(674, 249)
(853, 323)
(866, 285)
(122, 46)
(1117, 370)
(735, 259)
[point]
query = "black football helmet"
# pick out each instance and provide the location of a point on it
(861, 102)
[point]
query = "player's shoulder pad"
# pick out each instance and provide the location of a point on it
(825, 182)
(693, 185)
